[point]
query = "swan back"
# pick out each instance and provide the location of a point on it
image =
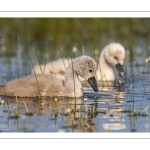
(57, 67)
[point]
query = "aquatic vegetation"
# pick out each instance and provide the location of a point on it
(1, 101)
(121, 106)
(140, 75)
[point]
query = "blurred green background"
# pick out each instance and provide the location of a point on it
(66, 33)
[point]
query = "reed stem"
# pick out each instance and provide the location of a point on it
(6, 95)
(38, 60)
(39, 94)
(140, 76)
(73, 82)
(62, 57)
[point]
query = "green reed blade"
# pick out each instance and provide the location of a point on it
(38, 60)
(6, 94)
(36, 80)
(61, 57)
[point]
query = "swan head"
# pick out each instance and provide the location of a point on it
(115, 55)
(85, 67)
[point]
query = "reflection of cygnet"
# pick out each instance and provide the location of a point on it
(111, 56)
(49, 85)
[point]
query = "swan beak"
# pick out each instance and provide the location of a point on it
(93, 83)
(120, 70)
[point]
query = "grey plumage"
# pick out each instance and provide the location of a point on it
(49, 85)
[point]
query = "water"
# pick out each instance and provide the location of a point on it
(115, 108)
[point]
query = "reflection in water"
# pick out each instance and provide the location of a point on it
(59, 113)
(116, 110)
(62, 114)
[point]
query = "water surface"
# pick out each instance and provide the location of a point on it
(115, 108)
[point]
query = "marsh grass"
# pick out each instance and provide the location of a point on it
(19, 56)
(45, 57)
(16, 108)
(39, 93)
(107, 83)
(27, 110)
(82, 49)
(133, 108)
(53, 68)
(73, 81)
(16, 117)
(1, 102)
(8, 51)
(85, 107)
(38, 60)
(87, 112)
(145, 111)
(61, 57)
(96, 51)
(140, 76)
(130, 89)
(94, 107)
(96, 56)
(102, 77)
(45, 54)
(6, 95)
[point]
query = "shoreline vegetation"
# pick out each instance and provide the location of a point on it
(50, 34)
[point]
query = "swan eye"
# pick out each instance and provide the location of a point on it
(90, 71)
(115, 57)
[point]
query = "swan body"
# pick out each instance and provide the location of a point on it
(112, 56)
(49, 85)
(58, 68)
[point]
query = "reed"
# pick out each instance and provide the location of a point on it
(73, 82)
(96, 51)
(6, 95)
(8, 51)
(82, 48)
(85, 107)
(19, 56)
(45, 57)
(140, 76)
(26, 107)
(107, 83)
(96, 56)
(133, 97)
(39, 94)
(27, 110)
(94, 108)
(16, 108)
(38, 60)
(145, 111)
(62, 57)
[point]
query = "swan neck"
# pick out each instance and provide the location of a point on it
(103, 61)
(72, 82)
(104, 68)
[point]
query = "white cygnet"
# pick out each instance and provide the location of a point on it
(112, 56)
